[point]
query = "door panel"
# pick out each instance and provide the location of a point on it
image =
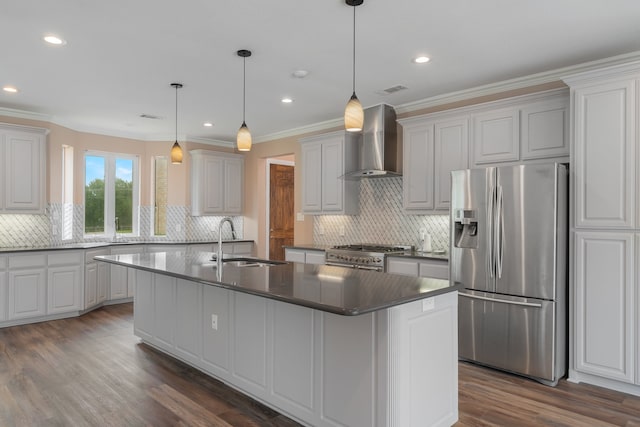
(506, 335)
(281, 209)
(529, 195)
(470, 191)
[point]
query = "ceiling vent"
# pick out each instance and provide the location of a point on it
(392, 89)
(150, 116)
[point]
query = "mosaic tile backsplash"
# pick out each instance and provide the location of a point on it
(64, 223)
(381, 220)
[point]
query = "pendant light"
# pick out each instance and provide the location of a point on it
(243, 140)
(176, 150)
(353, 114)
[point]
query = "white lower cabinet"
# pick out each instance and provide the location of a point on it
(165, 311)
(605, 315)
(433, 268)
(96, 278)
(144, 305)
(122, 279)
(305, 256)
(250, 341)
(27, 286)
(216, 352)
(3, 288)
(64, 282)
(188, 341)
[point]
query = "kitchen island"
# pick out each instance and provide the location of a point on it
(327, 346)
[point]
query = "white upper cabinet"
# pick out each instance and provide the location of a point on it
(544, 129)
(605, 154)
(22, 169)
(433, 148)
(418, 167)
(496, 136)
(325, 159)
(451, 148)
(216, 183)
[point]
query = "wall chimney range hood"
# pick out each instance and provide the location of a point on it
(377, 145)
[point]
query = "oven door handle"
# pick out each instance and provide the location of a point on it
(370, 268)
(335, 264)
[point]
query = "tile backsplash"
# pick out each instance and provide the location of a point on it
(381, 220)
(64, 223)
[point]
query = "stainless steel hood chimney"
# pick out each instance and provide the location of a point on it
(378, 145)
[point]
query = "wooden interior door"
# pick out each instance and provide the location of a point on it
(281, 209)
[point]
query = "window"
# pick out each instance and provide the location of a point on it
(111, 197)
(67, 192)
(160, 185)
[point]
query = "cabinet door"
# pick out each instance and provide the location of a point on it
(604, 155)
(144, 306)
(90, 285)
(27, 293)
(604, 295)
(165, 310)
(406, 267)
(434, 269)
(417, 182)
(25, 166)
(545, 130)
(451, 153)
(311, 178)
(315, 257)
(64, 289)
(103, 282)
(332, 170)
(496, 136)
(213, 185)
(3, 296)
(188, 319)
(233, 187)
(119, 282)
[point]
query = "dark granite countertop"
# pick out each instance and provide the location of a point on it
(91, 245)
(336, 290)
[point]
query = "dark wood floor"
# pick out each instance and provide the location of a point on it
(92, 371)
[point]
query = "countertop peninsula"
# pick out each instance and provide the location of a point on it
(331, 289)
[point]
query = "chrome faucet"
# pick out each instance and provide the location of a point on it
(233, 235)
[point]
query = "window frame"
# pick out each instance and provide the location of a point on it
(110, 192)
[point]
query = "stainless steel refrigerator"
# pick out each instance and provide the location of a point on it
(509, 252)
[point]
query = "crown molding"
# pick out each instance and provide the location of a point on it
(22, 114)
(329, 124)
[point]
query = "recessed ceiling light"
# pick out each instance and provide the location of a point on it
(10, 89)
(51, 39)
(300, 74)
(207, 124)
(421, 59)
(287, 100)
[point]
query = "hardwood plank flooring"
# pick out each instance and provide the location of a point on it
(92, 371)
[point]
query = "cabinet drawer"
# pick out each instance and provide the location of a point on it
(65, 258)
(127, 249)
(27, 261)
(434, 269)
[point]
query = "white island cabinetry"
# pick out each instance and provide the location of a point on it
(321, 368)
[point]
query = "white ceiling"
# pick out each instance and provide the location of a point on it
(122, 55)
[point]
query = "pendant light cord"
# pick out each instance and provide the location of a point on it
(244, 86)
(354, 49)
(176, 113)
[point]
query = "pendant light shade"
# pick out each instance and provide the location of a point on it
(353, 113)
(176, 150)
(243, 139)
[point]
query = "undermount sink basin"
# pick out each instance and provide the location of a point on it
(250, 262)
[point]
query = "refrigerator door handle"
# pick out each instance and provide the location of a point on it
(490, 231)
(499, 240)
(526, 304)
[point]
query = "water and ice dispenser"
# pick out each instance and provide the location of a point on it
(466, 228)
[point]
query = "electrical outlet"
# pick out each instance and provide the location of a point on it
(300, 216)
(428, 304)
(321, 230)
(178, 228)
(422, 233)
(342, 230)
(214, 322)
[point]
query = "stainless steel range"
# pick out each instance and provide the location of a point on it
(363, 256)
